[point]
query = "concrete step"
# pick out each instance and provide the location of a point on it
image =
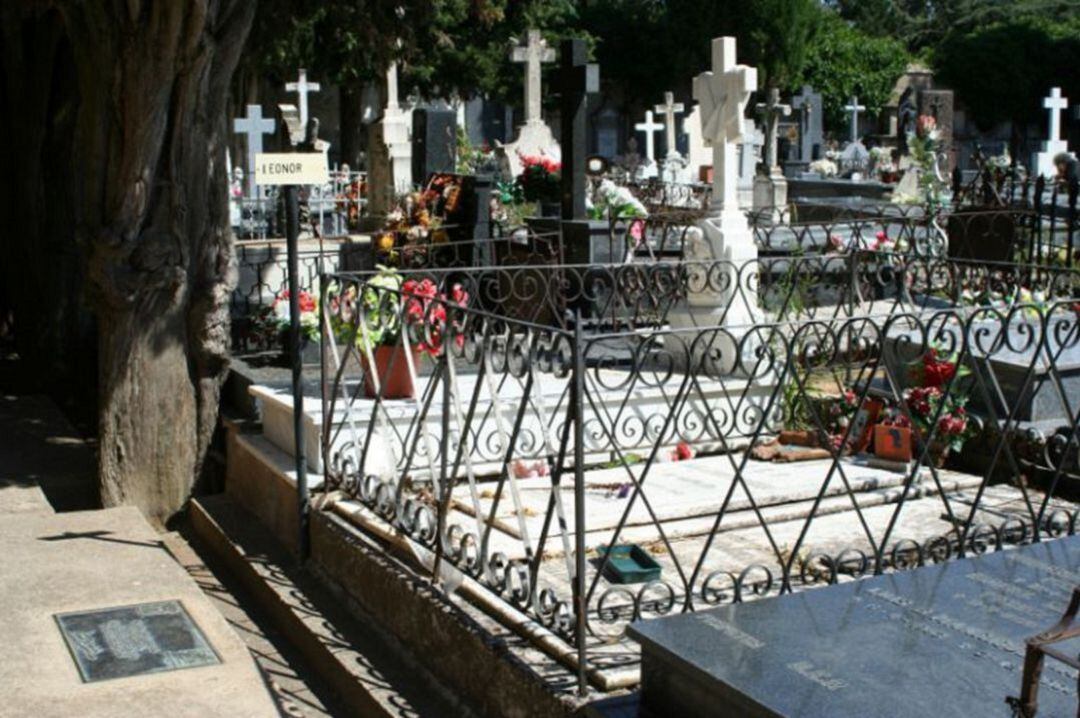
(370, 674)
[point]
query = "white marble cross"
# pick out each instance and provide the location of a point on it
(668, 110)
(1056, 104)
(854, 108)
(723, 94)
(254, 126)
(533, 53)
(302, 87)
(649, 127)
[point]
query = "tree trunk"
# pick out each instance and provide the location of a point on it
(146, 190)
(352, 123)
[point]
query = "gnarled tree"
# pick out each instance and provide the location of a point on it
(116, 123)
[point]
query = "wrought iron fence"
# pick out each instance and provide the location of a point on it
(521, 456)
(330, 210)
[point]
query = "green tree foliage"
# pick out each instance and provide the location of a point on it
(843, 61)
(778, 35)
(1002, 71)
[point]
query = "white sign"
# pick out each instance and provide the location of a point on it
(280, 168)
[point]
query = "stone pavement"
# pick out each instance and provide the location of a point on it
(83, 561)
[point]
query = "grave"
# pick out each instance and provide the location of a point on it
(534, 136)
(770, 186)
(253, 126)
(674, 165)
(808, 105)
(302, 88)
(650, 127)
(944, 640)
(1042, 163)
(853, 125)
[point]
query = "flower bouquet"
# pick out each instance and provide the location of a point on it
(540, 179)
(271, 325)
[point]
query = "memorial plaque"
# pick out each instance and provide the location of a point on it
(944, 641)
(134, 640)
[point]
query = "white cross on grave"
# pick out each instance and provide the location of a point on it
(302, 87)
(723, 94)
(1043, 162)
(533, 53)
(669, 110)
(1056, 104)
(854, 108)
(254, 126)
(650, 127)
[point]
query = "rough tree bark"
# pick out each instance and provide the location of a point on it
(146, 189)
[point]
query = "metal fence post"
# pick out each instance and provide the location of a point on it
(292, 233)
(578, 378)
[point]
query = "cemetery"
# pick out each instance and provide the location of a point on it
(497, 365)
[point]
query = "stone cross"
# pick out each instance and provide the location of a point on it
(854, 108)
(649, 127)
(808, 104)
(668, 110)
(254, 126)
(1056, 104)
(723, 94)
(578, 78)
(770, 112)
(533, 53)
(302, 87)
(392, 87)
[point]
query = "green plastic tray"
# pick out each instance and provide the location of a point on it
(629, 563)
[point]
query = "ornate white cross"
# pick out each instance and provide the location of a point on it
(302, 87)
(668, 110)
(649, 127)
(1056, 104)
(254, 126)
(533, 53)
(723, 94)
(854, 108)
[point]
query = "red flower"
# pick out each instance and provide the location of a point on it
(937, 373)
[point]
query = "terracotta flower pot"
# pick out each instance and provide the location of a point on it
(392, 368)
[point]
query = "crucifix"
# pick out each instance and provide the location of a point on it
(650, 127)
(808, 104)
(668, 110)
(770, 112)
(533, 53)
(578, 78)
(723, 94)
(1056, 104)
(854, 108)
(254, 126)
(302, 88)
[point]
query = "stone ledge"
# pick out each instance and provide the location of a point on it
(494, 669)
(362, 668)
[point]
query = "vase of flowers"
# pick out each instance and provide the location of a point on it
(937, 405)
(404, 321)
(272, 325)
(540, 182)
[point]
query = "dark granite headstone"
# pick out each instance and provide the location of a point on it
(945, 641)
(578, 79)
(134, 640)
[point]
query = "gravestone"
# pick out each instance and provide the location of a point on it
(770, 187)
(302, 88)
(534, 136)
(434, 138)
(854, 160)
(808, 105)
(134, 640)
(674, 165)
(650, 127)
(253, 126)
(723, 235)
(390, 163)
(1042, 163)
(607, 133)
(854, 108)
(939, 105)
(943, 640)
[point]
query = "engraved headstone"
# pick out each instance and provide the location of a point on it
(134, 640)
(943, 640)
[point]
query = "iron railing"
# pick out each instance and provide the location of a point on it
(529, 444)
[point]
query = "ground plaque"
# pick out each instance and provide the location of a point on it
(134, 640)
(944, 641)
